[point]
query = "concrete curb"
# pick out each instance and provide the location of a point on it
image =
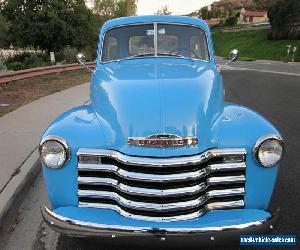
(227, 67)
(14, 193)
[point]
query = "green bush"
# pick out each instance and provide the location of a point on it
(15, 66)
(231, 21)
(27, 60)
(66, 55)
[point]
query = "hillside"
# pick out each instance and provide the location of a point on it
(233, 4)
(253, 45)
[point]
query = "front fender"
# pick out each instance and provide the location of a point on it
(80, 127)
(241, 127)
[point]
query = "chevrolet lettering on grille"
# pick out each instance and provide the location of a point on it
(163, 140)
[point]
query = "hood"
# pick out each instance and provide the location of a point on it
(139, 100)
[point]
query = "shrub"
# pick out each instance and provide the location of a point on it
(15, 66)
(67, 55)
(27, 60)
(231, 21)
(90, 53)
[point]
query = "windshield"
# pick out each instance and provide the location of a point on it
(138, 41)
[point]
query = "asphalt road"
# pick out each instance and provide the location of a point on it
(276, 96)
(265, 66)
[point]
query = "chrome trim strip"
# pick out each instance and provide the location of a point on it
(227, 167)
(134, 176)
(142, 191)
(160, 162)
(155, 39)
(208, 207)
(97, 181)
(144, 206)
(142, 217)
(156, 192)
(226, 192)
(72, 225)
(166, 193)
(260, 141)
(148, 191)
(225, 205)
(226, 180)
(210, 181)
(155, 207)
(160, 177)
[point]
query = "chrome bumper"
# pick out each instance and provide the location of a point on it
(198, 236)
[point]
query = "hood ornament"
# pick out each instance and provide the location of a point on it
(163, 141)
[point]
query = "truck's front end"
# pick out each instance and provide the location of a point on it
(158, 155)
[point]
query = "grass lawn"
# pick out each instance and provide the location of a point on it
(20, 92)
(253, 45)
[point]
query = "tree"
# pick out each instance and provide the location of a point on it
(113, 8)
(122, 8)
(105, 8)
(284, 15)
(164, 11)
(49, 24)
(204, 13)
(4, 32)
(263, 4)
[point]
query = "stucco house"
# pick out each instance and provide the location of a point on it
(252, 17)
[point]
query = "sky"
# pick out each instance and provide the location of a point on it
(177, 7)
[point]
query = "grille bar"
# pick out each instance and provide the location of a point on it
(163, 206)
(239, 154)
(162, 192)
(195, 175)
(125, 213)
(161, 189)
(141, 191)
(195, 214)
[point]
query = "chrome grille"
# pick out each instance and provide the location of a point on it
(161, 189)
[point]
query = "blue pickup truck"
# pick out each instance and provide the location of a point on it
(158, 155)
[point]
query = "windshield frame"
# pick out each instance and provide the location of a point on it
(155, 25)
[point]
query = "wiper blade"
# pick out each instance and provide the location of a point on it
(175, 55)
(136, 56)
(152, 54)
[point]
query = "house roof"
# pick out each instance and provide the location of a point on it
(254, 13)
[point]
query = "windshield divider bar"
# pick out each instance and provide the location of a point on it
(155, 39)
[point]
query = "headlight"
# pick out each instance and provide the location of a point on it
(54, 151)
(268, 150)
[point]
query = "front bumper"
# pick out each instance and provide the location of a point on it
(171, 233)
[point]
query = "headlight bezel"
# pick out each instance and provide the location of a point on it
(263, 140)
(62, 142)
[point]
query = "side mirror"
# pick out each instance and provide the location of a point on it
(81, 59)
(233, 56)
